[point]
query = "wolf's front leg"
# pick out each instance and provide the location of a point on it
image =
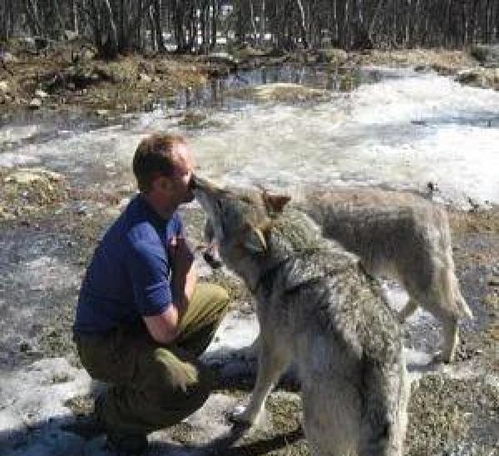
(272, 361)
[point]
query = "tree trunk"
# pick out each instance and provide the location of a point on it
(303, 24)
(262, 22)
(111, 45)
(160, 44)
(214, 19)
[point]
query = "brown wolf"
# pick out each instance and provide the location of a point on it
(318, 308)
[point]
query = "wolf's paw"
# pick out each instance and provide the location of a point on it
(243, 416)
(441, 357)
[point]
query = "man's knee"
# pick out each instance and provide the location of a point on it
(217, 295)
(179, 380)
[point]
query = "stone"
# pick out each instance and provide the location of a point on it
(28, 176)
(332, 55)
(487, 55)
(70, 35)
(35, 103)
(41, 94)
(145, 78)
(7, 57)
(4, 87)
(219, 57)
(480, 77)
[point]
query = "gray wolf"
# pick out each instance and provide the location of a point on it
(396, 234)
(402, 236)
(318, 308)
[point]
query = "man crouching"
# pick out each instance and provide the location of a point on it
(142, 319)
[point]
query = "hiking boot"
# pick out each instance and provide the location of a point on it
(121, 442)
(126, 443)
(87, 425)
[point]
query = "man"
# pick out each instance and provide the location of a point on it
(142, 319)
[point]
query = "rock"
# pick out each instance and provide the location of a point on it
(35, 103)
(423, 68)
(332, 55)
(29, 176)
(219, 57)
(4, 87)
(24, 347)
(27, 190)
(281, 92)
(102, 112)
(7, 57)
(245, 52)
(487, 55)
(193, 119)
(145, 78)
(70, 35)
(41, 94)
(480, 77)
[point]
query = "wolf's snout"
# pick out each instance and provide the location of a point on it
(212, 260)
(193, 183)
(198, 183)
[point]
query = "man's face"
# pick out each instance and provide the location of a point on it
(176, 189)
(183, 174)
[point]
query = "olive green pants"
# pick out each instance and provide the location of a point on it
(153, 386)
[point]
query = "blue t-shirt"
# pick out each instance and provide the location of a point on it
(129, 275)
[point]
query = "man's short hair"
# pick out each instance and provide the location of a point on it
(155, 156)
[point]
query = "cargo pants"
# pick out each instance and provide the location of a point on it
(154, 386)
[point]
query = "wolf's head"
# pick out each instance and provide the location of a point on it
(238, 221)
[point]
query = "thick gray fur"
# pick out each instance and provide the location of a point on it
(402, 236)
(318, 308)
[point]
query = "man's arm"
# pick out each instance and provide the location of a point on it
(184, 274)
(164, 328)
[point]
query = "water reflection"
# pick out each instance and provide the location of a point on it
(217, 93)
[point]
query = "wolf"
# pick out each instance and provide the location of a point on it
(403, 236)
(317, 307)
(396, 234)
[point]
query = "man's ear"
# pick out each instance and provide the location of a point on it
(275, 203)
(255, 241)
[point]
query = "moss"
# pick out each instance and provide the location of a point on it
(475, 221)
(29, 191)
(128, 83)
(81, 405)
(281, 92)
(182, 433)
(445, 412)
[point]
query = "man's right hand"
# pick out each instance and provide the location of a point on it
(163, 328)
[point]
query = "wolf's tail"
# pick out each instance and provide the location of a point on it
(450, 285)
(455, 295)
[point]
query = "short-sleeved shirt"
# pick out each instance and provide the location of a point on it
(129, 275)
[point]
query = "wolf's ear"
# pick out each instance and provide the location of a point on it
(255, 241)
(275, 203)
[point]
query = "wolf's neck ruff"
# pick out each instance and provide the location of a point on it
(277, 264)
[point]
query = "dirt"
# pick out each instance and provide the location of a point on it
(72, 78)
(69, 77)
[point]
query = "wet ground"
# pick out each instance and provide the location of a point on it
(453, 410)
